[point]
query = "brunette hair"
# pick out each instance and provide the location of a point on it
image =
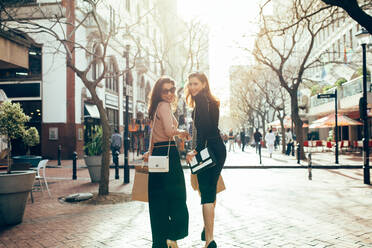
(206, 91)
(155, 95)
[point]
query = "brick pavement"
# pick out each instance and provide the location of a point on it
(260, 208)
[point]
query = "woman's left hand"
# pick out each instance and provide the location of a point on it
(190, 155)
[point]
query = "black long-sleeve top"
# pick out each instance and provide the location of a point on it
(206, 120)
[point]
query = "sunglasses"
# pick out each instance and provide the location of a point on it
(167, 91)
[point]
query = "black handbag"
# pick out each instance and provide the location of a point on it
(204, 159)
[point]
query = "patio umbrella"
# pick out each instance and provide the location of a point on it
(342, 120)
(287, 123)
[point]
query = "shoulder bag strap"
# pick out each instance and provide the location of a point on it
(152, 129)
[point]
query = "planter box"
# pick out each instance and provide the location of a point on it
(33, 160)
(14, 189)
(94, 164)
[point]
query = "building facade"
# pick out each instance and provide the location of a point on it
(60, 105)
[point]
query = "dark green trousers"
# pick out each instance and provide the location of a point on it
(169, 216)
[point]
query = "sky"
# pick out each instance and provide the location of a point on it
(229, 21)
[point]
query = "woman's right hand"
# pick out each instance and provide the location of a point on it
(146, 156)
(184, 135)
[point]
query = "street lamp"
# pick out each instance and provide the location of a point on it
(127, 41)
(364, 39)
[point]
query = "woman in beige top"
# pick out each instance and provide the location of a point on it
(169, 216)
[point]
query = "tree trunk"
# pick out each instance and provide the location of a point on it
(283, 134)
(9, 154)
(298, 124)
(105, 169)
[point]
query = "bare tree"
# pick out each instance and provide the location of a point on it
(247, 101)
(274, 95)
(288, 53)
(63, 25)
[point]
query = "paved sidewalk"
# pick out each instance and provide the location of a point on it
(260, 208)
(249, 158)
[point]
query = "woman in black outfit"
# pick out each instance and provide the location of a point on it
(206, 112)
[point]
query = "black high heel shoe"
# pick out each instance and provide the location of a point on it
(203, 235)
(212, 244)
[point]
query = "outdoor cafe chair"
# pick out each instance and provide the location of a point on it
(40, 175)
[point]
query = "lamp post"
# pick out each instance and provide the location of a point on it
(364, 38)
(126, 117)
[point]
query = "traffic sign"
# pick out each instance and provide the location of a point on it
(326, 96)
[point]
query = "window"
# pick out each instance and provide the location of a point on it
(351, 38)
(138, 11)
(96, 65)
(32, 73)
(113, 118)
(112, 79)
(333, 51)
(338, 49)
(127, 5)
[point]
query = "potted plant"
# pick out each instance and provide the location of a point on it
(14, 186)
(30, 138)
(93, 158)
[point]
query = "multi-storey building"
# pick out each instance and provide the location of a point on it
(60, 106)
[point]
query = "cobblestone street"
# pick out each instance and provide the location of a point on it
(260, 208)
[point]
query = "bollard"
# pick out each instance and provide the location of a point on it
(74, 158)
(298, 153)
(116, 162)
(259, 152)
(59, 154)
(310, 167)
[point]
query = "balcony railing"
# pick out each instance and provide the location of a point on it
(350, 88)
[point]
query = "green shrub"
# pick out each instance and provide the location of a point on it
(94, 146)
(340, 82)
(327, 87)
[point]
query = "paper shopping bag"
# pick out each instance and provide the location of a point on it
(195, 184)
(140, 186)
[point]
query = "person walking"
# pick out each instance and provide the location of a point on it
(169, 216)
(257, 139)
(115, 143)
(231, 140)
(242, 138)
(206, 111)
(277, 140)
(289, 141)
(270, 139)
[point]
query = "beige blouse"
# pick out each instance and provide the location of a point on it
(165, 124)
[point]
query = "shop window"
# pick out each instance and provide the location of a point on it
(113, 118)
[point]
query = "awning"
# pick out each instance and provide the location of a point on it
(91, 111)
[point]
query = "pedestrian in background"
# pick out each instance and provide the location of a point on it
(270, 139)
(206, 112)
(289, 141)
(242, 139)
(277, 140)
(169, 216)
(231, 140)
(257, 139)
(115, 143)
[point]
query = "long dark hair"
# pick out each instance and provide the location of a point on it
(206, 91)
(155, 95)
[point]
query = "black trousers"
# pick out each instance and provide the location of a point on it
(169, 216)
(207, 179)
